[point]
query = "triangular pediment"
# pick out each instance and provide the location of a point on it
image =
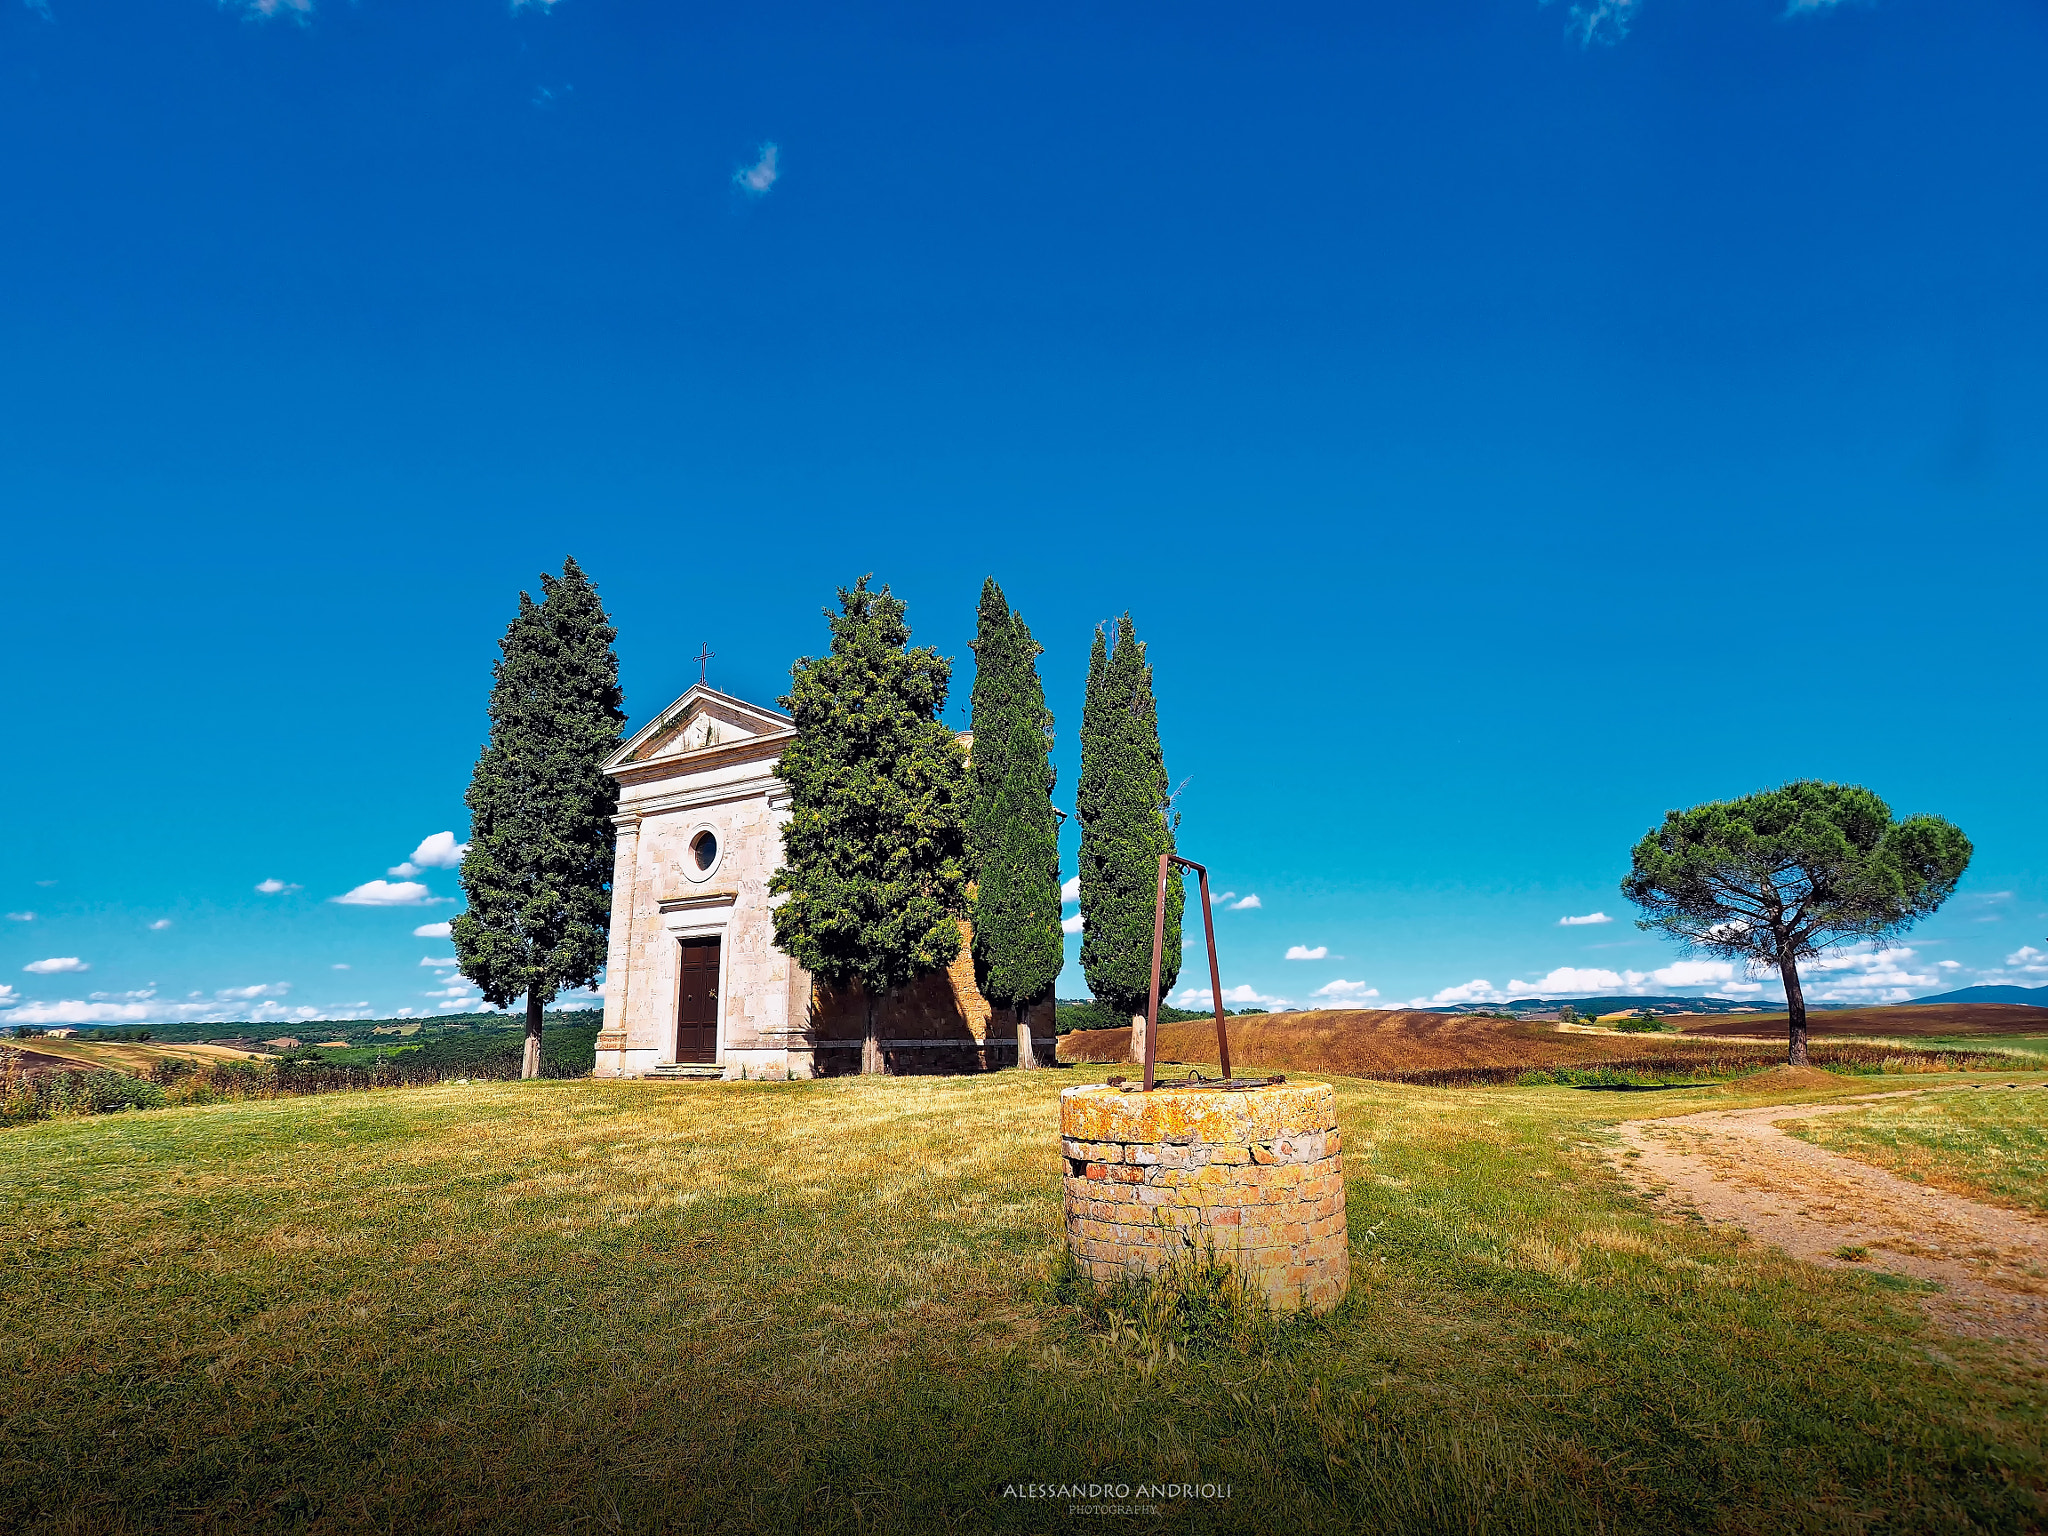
(702, 720)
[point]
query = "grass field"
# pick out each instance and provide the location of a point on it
(826, 1306)
(1989, 1146)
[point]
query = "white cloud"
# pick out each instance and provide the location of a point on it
(298, 9)
(1949, 965)
(433, 931)
(1569, 979)
(1863, 974)
(383, 893)
(1249, 904)
(1303, 952)
(250, 1005)
(2027, 958)
(442, 961)
(1071, 891)
(57, 965)
(544, 5)
(1477, 990)
(440, 851)
(1608, 21)
(340, 965)
(274, 887)
(160, 925)
(8, 996)
(1343, 991)
(1243, 995)
(21, 917)
(75, 1012)
(1581, 922)
(1693, 973)
(756, 179)
(1600, 21)
(1071, 924)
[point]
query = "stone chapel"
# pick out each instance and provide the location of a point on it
(694, 985)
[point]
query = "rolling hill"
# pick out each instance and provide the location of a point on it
(1900, 1019)
(2030, 997)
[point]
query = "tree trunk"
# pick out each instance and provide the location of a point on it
(1138, 1038)
(1025, 1058)
(871, 1044)
(1795, 1010)
(529, 1065)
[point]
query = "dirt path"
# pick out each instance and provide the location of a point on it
(1736, 1166)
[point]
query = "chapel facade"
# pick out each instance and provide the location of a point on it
(694, 983)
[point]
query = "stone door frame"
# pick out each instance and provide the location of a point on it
(675, 928)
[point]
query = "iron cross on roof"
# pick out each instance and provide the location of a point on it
(704, 656)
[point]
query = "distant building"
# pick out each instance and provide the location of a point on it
(283, 1043)
(695, 978)
(62, 1032)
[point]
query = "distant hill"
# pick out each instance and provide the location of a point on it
(1597, 1005)
(2028, 997)
(355, 1031)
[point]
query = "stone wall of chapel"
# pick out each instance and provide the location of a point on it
(732, 903)
(767, 1002)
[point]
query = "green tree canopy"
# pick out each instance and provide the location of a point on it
(1780, 876)
(1012, 831)
(1126, 821)
(874, 853)
(538, 870)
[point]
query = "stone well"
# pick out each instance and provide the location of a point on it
(1255, 1174)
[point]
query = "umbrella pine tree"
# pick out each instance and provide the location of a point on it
(1783, 875)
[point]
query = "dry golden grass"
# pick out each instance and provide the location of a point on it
(1987, 1146)
(825, 1307)
(131, 1056)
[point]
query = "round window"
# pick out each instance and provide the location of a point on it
(703, 851)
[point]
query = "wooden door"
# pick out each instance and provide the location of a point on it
(697, 1002)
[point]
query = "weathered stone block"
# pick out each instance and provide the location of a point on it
(1254, 1176)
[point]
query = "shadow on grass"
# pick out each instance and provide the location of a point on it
(1637, 1087)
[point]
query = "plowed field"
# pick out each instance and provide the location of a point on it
(1361, 1041)
(1930, 1019)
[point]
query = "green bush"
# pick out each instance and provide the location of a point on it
(568, 1050)
(26, 1096)
(1536, 1079)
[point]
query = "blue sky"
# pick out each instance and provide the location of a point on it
(1504, 422)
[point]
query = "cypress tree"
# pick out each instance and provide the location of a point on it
(874, 853)
(1012, 833)
(1126, 823)
(538, 870)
